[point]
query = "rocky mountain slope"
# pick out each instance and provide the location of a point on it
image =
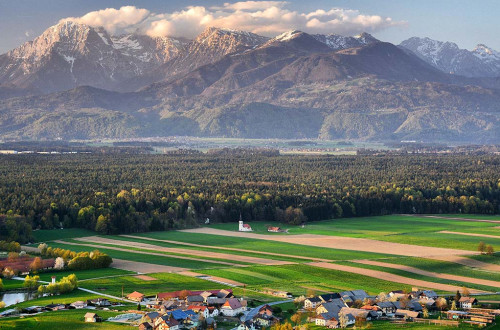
(291, 86)
(448, 57)
(68, 55)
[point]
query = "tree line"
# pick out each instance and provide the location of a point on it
(135, 193)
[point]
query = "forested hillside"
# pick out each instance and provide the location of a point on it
(134, 193)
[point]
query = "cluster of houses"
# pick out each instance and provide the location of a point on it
(333, 309)
(188, 309)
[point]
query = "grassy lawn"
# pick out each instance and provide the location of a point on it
(61, 320)
(55, 234)
(298, 278)
(141, 257)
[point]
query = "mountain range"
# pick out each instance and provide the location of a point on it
(79, 82)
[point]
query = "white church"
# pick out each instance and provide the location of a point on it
(244, 226)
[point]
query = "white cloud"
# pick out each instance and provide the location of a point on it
(263, 17)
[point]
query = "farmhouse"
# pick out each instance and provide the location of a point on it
(136, 296)
(232, 307)
(145, 326)
(78, 305)
(312, 303)
(388, 307)
(166, 323)
(92, 318)
(100, 302)
(467, 302)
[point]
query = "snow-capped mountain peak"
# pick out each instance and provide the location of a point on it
(486, 53)
(448, 57)
(338, 42)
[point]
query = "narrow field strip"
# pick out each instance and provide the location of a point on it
(429, 274)
(149, 253)
(342, 243)
(224, 256)
(469, 262)
(468, 234)
(227, 248)
(143, 267)
(391, 277)
(212, 278)
(452, 218)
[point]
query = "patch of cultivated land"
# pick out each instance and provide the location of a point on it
(298, 278)
(144, 267)
(151, 253)
(343, 243)
(430, 274)
(224, 248)
(470, 263)
(470, 234)
(391, 277)
(138, 256)
(218, 255)
(258, 245)
(458, 218)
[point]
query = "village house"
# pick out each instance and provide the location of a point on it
(145, 326)
(312, 303)
(406, 314)
(166, 323)
(467, 302)
(355, 295)
(78, 305)
(92, 317)
(99, 302)
(55, 307)
(327, 320)
(150, 317)
(136, 296)
(232, 307)
(388, 307)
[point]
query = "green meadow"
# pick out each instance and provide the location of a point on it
(299, 279)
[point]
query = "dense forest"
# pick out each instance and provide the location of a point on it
(134, 193)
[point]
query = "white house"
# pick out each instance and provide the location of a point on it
(467, 302)
(232, 307)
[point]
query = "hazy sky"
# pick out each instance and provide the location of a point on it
(466, 22)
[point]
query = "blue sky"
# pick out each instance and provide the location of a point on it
(466, 22)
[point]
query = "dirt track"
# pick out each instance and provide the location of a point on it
(430, 274)
(391, 277)
(142, 267)
(208, 254)
(343, 243)
(468, 234)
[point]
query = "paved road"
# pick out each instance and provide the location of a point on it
(254, 311)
